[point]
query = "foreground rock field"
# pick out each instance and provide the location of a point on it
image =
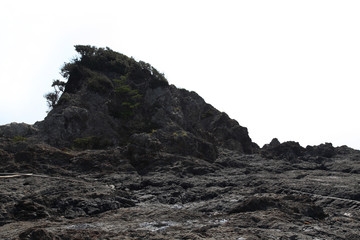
(236, 197)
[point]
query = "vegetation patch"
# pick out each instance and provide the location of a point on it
(100, 83)
(157, 79)
(65, 98)
(19, 139)
(52, 98)
(125, 101)
(92, 142)
(207, 113)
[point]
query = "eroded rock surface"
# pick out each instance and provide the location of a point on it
(99, 194)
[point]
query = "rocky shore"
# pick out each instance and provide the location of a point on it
(125, 155)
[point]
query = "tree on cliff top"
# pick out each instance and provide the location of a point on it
(103, 60)
(53, 97)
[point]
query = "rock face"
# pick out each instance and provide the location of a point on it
(125, 155)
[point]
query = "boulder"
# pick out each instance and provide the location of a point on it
(323, 150)
(287, 150)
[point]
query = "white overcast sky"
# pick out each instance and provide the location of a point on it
(282, 68)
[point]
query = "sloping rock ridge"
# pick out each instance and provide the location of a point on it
(125, 155)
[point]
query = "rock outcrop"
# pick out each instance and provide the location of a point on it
(16, 130)
(110, 99)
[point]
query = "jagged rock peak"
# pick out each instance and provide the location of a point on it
(291, 150)
(274, 143)
(110, 99)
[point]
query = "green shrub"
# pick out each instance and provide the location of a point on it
(102, 59)
(52, 98)
(105, 59)
(100, 84)
(125, 101)
(207, 114)
(67, 69)
(181, 133)
(19, 139)
(65, 98)
(92, 142)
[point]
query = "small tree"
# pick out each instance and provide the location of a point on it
(53, 97)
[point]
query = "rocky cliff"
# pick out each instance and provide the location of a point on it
(110, 100)
(125, 155)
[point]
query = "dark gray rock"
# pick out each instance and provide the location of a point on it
(287, 150)
(29, 210)
(274, 143)
(78, 207)
(17, 130)
(323, 150)
(37, 234)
